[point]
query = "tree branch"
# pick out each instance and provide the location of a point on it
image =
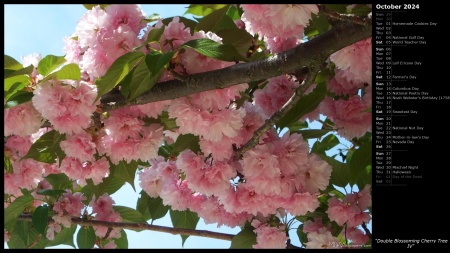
(333, 15)
(142, 226)
(321, 47)
(299, 92)
(366, 230)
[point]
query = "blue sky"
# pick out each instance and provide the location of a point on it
(40, 28)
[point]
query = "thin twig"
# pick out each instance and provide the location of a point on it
(345, 17)
(366, 230)
(142, 226)
(278, 115)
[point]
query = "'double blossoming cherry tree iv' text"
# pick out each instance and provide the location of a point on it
(213, 116)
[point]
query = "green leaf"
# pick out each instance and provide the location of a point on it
(11, 63)
(59, 181)
(7, 164)
(50, 63)
(361, 158)
(317, 25)
(122, 242)
(191, 24)
(47, 148)
(187, 141)
(156, 208)
(216, 21)
(22, 234)
(109, 185)
(126, 171)
(313, 133)
(360, 10)
(154, 35)
(203, 9)
(340, 174)
(165, 151)
(302, 235)
(18, 98)
(129, 214)
(64, 237)
(167, 122)
(90, 6)
(151, 18)
(40, 218)
(215, 50)
(86, 237)
(329, 142)
(295, 126)
(70, 71)
(13, 84)
(118, 70)
(142, 205)
(239, 38)
(184, 219)
(148, 72)
(306, 104)
(341, 8)
(23, 71)
(15, 240)
(244, 239)
(27, 237)
(50, 192)
(113, 184)
(15, 209)
(233, 13)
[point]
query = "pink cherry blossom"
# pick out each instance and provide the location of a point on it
(279, 44)
(301, 203)
(74, 169)
(17, 146)
(212, 211)
(79, 146)
(177, 194)
(292, 152)
(22, 120)
(98, 170)
(51, 230)
(349, 116)
(317, 174)
(260, 162)
(32, 59)
(314, 226)
(268, 237)
(129, 15)
(284, 20)
(340, 85)
(68, 205)
(355, 61)
(68, 108)
(206, 177)
(356, 235)
(364, 198)
(322, 240)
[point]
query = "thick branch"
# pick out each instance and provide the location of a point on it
(142, 226)
(321, 47)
